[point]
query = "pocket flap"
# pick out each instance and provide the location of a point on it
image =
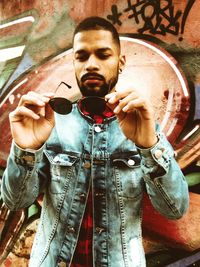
(131, 162)
(62, 159)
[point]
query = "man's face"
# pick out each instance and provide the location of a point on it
(96, 61)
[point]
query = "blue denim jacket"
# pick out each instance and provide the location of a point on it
(81, 154)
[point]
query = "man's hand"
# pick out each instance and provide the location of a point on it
(135, 116)
(32, 121)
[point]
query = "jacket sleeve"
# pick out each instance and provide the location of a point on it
(21, 183)
(165, 182)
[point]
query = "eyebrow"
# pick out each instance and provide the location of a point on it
(101, 50)
(104, 49)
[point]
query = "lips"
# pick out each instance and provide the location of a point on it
(92, 77)
(93, 81)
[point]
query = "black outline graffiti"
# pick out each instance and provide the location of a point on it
(186, 13)
(161, 20)
(115, 15)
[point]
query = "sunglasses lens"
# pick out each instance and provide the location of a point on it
(93, 104)
(61, 105)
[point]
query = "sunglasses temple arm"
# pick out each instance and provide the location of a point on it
(69, 86)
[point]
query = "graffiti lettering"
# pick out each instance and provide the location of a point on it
(186, 12)
(154, 16)
(115, 15)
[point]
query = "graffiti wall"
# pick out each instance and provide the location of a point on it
(161, 41)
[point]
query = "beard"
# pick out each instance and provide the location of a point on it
(101, 89)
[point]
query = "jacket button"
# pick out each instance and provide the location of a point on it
(87, 165)
(97, 129)
(158, 153)
(57, 159)
(131, 162)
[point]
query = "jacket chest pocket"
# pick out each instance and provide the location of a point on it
(62, 171)
(128, 176)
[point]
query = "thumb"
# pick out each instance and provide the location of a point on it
(49, 114)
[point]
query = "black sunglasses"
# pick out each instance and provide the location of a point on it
(92, 104)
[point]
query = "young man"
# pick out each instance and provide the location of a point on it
(92, 165)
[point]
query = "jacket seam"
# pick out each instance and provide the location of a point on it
(166, 198)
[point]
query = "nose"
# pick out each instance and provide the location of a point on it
(92, 64)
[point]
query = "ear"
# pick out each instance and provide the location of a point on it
(122, 63)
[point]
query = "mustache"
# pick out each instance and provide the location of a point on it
(92, 75)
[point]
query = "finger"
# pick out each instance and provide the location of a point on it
(124, 102)
(111, 106)
(139, 104)
(27, 100)
(22, 112)
(43, 96)
(121, 115)
(49, 95)
(134, 104)
(32, 98)
(114, 97)
(109, 96)
(49, 114)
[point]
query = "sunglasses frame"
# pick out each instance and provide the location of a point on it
(57, 103)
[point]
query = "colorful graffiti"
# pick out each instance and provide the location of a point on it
(162, 41)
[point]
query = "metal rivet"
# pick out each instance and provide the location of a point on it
(99, 230)
(62, 264)
(71, 229)
(28, 158)
(99, 194)
(87, 165)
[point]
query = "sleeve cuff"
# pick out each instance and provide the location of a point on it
(26, 156)
(157, 156)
